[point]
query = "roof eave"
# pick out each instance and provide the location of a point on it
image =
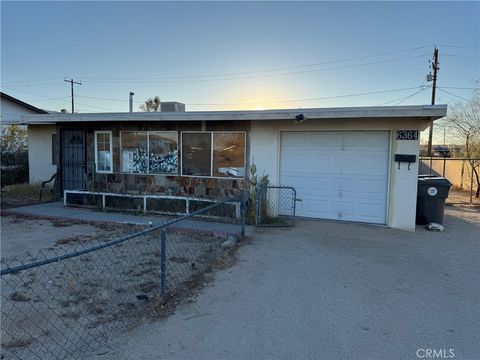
(431, 112)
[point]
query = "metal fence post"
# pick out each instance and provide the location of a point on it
(163, 237)
(472, 164)
(444, 165)
(258, 194)
(243, 209)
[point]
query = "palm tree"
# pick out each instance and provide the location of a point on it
(151, 105)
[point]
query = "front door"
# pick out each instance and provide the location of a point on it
(73, 159)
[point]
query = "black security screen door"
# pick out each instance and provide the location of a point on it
(73, 159)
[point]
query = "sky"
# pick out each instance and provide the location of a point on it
(237, 55)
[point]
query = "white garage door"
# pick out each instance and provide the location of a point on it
(338, 175)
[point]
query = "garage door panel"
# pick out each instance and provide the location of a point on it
(343, 186)
(295, 138)
(372, 163)
(317, 161)
(338, 175)
(370, 210)
(295, 182)
(316, 207)
(344, 139)
(342, 209)
(373, 140)
(293, 161)
(371, 188)
(320, 140)
(345, 161)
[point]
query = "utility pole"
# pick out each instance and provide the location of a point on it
(71, 86)
(434, 87)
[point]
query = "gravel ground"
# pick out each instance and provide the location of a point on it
(71, 308)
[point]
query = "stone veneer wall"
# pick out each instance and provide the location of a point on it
(156, 184)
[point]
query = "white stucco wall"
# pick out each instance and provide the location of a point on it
(40, 152)
(401, 199)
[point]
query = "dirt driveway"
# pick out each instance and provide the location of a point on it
(327, 290)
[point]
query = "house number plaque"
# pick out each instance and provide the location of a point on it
(407, 134)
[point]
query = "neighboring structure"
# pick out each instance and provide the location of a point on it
(40, 138)
(12, 109)
(341, 161)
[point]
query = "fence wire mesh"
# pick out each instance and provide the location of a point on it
(70, 301)
(275, 206)
(462, 174)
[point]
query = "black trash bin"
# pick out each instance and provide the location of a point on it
(431, 195)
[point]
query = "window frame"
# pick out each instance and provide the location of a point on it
(96, 151)
(148, 152)
(211, 154)
(54, 146)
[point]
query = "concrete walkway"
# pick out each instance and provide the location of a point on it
(56, 210)
(327, 290)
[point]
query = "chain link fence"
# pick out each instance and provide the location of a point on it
(69, 303)
(461, 174)
(275, 205)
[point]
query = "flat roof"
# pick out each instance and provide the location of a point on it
(431, 112)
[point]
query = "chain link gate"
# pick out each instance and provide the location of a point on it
(275, 206)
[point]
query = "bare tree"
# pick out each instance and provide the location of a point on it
(464, 121)
(151, 105)
(13, 138)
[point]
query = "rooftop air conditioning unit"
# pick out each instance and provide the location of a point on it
(172, 106)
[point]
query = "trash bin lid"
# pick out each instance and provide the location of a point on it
(434, 181)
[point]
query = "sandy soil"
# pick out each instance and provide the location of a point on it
(22, 235)
(68, 309)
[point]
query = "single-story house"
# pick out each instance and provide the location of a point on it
(12, 110)
(353, 164)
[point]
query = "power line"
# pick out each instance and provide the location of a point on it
(457, 96)
(95, 107)
(29, 81)
(459, 46)
(28, 92)
(222, 77)
(307, 99)
(260, 71)
(106, 99)
(40, 81)
(408, 97)
(159, 80)
(457, 55)
(404, 98)
(460, 88)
